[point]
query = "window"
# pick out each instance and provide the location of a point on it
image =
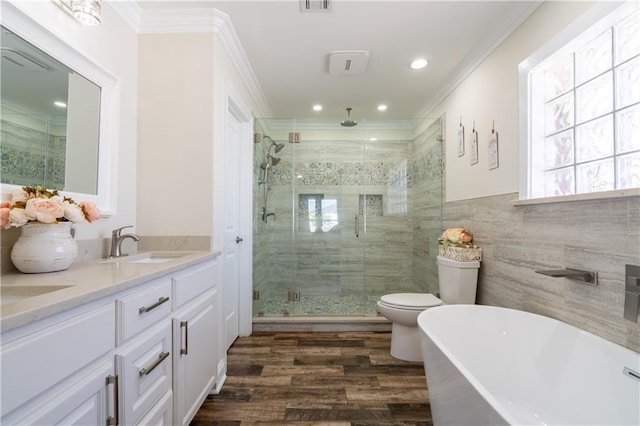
(583, 117)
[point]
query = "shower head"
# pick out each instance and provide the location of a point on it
(273, 160)
(348, 122)
(279, 147)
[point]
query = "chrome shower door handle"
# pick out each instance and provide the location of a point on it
(357, 222)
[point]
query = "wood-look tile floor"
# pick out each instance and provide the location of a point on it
(322, 378)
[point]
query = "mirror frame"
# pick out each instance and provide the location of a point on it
(31, 31)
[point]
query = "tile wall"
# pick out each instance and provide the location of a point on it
(600, 235)
(400, 184)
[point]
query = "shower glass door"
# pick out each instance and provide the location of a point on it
(336, 216)
(328, 230)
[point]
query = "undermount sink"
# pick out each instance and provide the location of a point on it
(146, 258)
(153, 259)
(12, 294)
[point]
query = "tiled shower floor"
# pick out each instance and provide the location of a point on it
(279, 306)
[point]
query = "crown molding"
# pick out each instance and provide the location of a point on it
(226, 33)
(168, 21)
(129, 11)
(196, 20)
(478, 54)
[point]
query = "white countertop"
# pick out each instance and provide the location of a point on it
(86, 282)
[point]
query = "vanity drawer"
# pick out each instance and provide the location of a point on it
(143, 308)
(145, 372)
(32, 364)
(194, 282)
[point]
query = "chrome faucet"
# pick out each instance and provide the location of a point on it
(589, 277)
(117, 239)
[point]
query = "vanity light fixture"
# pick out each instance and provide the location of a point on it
(418, 64)
(88, 12)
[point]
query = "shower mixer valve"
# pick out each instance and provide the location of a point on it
(265, 215)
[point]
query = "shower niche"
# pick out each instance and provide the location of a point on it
(370, 204)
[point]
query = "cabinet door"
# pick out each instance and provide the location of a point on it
(194, 359)
(144, 370)
(161, 414)
(84, 402)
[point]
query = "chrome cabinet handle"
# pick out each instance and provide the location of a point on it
(160, 301)
(357, 220)
(147, 370)
(113, 420)
(185, 325)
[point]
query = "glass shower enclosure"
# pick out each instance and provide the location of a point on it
(343, 216)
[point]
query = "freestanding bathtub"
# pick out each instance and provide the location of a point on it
(497, 366)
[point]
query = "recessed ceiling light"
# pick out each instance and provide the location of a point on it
(317, 107)
(418, 64)
(60, 104)
(382, 107)
(373, 139)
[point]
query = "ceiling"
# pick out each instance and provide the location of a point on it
(289, 51)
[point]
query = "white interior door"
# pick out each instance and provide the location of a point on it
(232, 238)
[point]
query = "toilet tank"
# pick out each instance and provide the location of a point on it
(458, 281)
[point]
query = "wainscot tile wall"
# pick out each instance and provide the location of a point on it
(600, 235)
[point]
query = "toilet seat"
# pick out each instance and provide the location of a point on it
(410, 301)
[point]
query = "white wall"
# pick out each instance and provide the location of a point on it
(489, 94)
(184, 80)
(175, 146)
(113, 47)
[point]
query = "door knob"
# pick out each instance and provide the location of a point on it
(239, 240)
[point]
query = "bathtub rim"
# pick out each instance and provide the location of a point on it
(495, 403)
(499, 407)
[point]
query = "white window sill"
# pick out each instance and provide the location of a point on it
(621, 193)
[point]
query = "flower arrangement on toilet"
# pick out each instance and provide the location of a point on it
(457, 244)
(38, 204)
(456, 237)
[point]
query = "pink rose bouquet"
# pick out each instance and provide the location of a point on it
(38, 204)
(456, 237)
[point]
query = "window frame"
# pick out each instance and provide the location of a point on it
(595, 21)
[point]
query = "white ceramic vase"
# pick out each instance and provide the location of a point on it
(44, 247)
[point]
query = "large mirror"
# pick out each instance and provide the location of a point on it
(58, 116)
(49, 125)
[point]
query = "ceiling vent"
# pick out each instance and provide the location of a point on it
(315, 6)
(353, 62)
(21, 60)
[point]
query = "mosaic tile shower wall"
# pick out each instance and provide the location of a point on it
(31, 157)
(346, 230)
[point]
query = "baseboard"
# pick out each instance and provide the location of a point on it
(320, 324)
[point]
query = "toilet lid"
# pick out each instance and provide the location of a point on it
(411, 300)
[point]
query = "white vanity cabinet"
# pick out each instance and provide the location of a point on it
(146, 355)
(195, 337)
(61, 371)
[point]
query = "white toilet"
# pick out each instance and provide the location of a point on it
(458, 282)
